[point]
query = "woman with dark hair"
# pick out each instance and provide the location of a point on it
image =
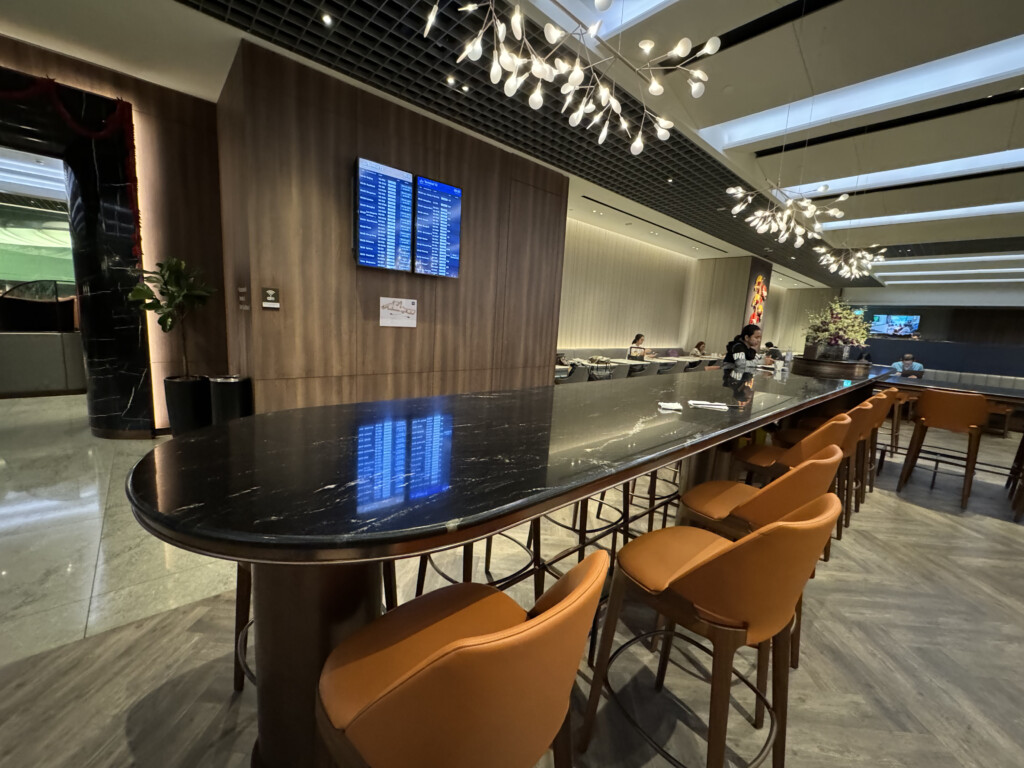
(698, 351)
(637, 350)
(745, 345)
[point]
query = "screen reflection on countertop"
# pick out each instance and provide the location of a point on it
(402, 459)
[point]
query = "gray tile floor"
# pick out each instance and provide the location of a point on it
(122, 644)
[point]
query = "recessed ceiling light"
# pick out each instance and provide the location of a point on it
(651, 232)
(696, 248)
(465, 89)
(450, 80)
(945, 169)
(908, 218)
(951, 74)
(600, 213)
(328, 21)
(792, 258)
(669, 181)
(646, 45)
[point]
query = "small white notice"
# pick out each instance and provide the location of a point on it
(400, 313)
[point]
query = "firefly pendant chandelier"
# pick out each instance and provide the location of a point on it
(785, 216)
(849, 263)
(585, 84)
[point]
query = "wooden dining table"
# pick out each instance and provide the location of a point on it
(317, 498)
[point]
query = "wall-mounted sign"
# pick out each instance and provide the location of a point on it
(243, 298)
(400, 313)
(271, 298)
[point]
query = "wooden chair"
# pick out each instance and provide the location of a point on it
(960, 412)
(460, 678)
(732, 593)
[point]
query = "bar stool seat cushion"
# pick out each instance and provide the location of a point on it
(658, 558)
(383, 653)
(759, 455)
(716, 499)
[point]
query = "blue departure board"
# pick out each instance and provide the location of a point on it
(430, 455)
(399, 460)
(438, 228)
(381, 462)
(383, 217)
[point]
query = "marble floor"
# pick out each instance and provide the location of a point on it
(910, 652)
(73, 561)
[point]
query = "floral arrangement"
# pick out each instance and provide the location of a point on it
(837, 325)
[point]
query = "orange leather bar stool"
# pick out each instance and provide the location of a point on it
(901, 398)
(460, 678)
(770, 461)
(731, 508)
(879, 415)
(1006, 411)
(955, 412)
(732, 593)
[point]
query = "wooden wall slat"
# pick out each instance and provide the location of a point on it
(303, 134)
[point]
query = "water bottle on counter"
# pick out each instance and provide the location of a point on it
(789, 357)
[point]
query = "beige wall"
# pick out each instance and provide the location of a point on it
(614, 287)
(786, 314)
(715, 313)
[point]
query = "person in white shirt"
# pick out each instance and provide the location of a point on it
(698, 351)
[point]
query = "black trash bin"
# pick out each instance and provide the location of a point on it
(230, 398)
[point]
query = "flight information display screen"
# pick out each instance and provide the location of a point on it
(430, 455)
(438, 228)
(384, 210)
(381, 462)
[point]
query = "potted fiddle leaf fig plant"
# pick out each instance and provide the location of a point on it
(172, 291)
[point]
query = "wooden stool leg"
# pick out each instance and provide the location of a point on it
(798, 625)
(421, 575)
(721, 683)
(666, 652)
(913, 452)
(562, 745)
(390, 585)
(973, 445)
(850, 474)
(604, 652)
(243, 597)
(780, 694)
(763, 655)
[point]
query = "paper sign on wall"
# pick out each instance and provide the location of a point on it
(400, 313)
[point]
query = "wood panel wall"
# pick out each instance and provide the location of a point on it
(176, 153)
(614, 287)
(289, 140)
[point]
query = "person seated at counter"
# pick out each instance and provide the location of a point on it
(908, 367)
(698, 351)
(770, 350)
(745, 345)
(637, 350)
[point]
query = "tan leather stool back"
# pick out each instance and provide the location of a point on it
(952, 411)
(757, 581)
(803, 483)
(496, 700)
(881, 405)
(862, 418)
(832, 432)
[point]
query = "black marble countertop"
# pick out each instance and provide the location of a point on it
(348, 482)
(995, 393)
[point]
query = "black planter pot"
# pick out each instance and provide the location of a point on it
(188, 403)
(230, 398)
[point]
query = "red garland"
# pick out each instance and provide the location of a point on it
(120, 119)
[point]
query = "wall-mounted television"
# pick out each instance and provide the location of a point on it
(384, 211)
(896, 325)
(438, 228)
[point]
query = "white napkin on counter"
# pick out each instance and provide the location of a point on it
(708, 405)
(670, 407)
